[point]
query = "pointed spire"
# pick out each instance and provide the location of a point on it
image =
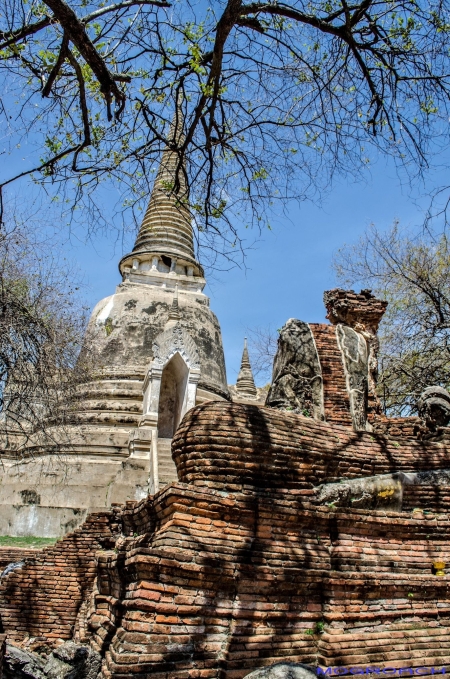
(245, 384)
(166, 228)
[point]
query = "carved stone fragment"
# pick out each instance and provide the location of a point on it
(355, 358)
(69, 661)
(374, 492)
(382, 491)
(297, 374)
(434, 407)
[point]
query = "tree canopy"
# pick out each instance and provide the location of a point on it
(42, 323)
(412, 272)
(276, 96)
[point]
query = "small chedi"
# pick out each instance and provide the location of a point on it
(310, 530)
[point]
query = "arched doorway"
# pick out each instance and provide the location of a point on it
(172, 397)
(170, 389)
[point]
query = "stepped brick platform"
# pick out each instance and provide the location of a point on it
(43, 597)
(239, 564)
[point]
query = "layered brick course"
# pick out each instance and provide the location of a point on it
(233, 445)
(237, 565)
(14, 555)
(227, 583)
(335, 394)
(42, 599)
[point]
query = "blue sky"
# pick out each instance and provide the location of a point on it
(287, 270)
(290, 267)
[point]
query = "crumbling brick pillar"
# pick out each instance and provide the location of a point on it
(357, 317)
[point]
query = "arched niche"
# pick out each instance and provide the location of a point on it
(172, 396)
(175, 370)
(170, 389)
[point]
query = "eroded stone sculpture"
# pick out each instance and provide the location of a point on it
(434, 407)
(297, 375)
(354, 351)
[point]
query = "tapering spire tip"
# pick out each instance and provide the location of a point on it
(245, 384)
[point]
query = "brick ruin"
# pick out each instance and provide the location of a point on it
(286, 536)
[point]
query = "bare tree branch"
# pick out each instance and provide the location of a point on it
(412, 273)
(14, 37)
(41, 331)
(56, 68)
(277, 98)
(74, 28)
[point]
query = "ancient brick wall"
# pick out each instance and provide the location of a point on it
(230, 582)
(354, 309)
(215, 589)
(385, 620)
(432, 499)
(2, 652)
(335, 395)
(237, 565)
(44, 596)
(232, 570)
(14, 555)
(400, 427)
(231, 445)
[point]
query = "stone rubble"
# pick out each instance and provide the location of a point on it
(68, 661)
(284, 670)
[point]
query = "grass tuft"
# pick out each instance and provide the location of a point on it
(28, 541)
